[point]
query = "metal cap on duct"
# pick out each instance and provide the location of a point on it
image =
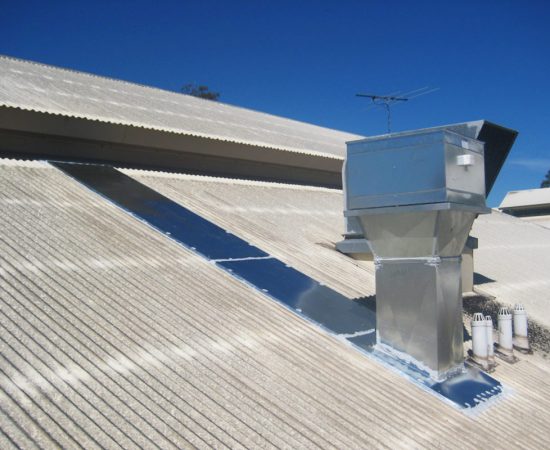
(497, 141)
(415, 196)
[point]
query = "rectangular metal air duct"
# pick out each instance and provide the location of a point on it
(415, 196)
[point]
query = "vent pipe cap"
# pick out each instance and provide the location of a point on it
(478, 319)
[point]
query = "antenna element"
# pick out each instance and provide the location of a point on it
(386, 101)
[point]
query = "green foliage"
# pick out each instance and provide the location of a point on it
(200, 91)
(546, 182)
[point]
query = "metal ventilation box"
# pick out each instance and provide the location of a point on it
(422, 167)
(416, 196)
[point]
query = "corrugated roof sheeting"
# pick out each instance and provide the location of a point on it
(114, 336)
(543, 221)
(303, 227)
(514, 255)
(37, 87)
(297, 226)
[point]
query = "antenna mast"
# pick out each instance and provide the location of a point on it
(386, 101)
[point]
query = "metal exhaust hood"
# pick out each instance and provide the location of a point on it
(498, 142)
(415, 196)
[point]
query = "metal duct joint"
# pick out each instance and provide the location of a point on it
(415, 196)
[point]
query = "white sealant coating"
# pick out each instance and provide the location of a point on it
(247, 258)
(357, 333)
(406, 359)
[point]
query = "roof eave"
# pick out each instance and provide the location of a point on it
(46, 135)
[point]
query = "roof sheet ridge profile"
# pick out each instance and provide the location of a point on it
(15, 162)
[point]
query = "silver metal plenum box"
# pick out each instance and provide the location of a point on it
(415, 168)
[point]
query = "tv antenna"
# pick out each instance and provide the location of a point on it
(387, 101)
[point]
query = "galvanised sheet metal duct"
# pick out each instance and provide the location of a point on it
(498, 142)
(415, 196)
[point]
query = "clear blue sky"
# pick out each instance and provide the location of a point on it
(306, 59)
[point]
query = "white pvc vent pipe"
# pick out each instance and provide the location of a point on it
(490, 344)
(479, 338)
(505, 330)
(520, 327)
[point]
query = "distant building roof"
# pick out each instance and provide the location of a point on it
(526, 199)
(532, 205)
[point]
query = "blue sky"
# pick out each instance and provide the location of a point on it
(307, 59)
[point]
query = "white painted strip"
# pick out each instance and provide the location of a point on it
(248, 258)
(357, 334)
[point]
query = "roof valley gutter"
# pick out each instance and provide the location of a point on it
(351, 321)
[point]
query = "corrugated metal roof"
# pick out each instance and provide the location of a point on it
(526, 198)
(292, 224)
(37, 87)
(512, 253)
(113, 336)
(514, 259)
